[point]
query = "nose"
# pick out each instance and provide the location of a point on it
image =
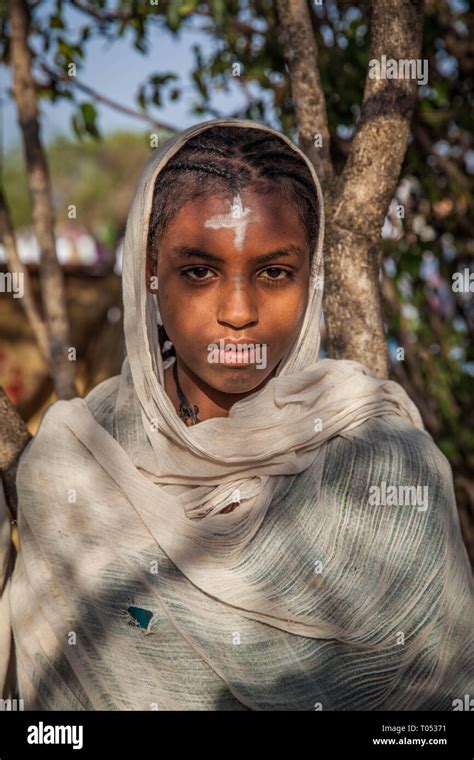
(237, 303)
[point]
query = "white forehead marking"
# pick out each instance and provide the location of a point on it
(237, 219)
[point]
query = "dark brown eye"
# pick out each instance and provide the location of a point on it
(187, 273)
(287, 275)
(275, 269)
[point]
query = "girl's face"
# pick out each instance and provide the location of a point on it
(232, 269)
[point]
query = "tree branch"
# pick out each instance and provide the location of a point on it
(59, 76)
(102, 14)
(370, 176)
(306, 89)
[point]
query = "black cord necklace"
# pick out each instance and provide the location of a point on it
(186, 411)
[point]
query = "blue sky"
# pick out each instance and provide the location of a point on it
(116, 70)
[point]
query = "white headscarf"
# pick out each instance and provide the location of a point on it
(110, 478)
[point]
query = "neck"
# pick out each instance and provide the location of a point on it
(210, 402)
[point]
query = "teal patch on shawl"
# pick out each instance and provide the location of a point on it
(140, 616)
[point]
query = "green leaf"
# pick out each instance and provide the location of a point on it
(218, 10)
(89, 115)
(76, 127)
(141, 98)
(173, 15)
(56, 22)
(187, 7)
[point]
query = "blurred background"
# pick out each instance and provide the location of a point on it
(144, 72)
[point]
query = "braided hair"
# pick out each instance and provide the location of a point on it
(229, 159)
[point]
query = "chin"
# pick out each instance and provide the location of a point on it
(237, 379)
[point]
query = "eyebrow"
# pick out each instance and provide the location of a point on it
(189, 251)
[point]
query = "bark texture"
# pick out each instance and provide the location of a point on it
(358, 198)
(43, 215)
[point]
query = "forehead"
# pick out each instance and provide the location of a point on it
(276, 216)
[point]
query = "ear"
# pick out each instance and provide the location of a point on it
(151, 275)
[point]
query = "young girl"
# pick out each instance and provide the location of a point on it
(233, 523)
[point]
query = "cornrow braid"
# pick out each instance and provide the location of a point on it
(229, 159)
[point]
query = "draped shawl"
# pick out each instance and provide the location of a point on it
(133, 589)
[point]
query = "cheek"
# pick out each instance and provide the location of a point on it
(184, 326)
(301, 307)
(291, 313)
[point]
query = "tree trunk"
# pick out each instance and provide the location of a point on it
(357, 200)
(14, 438)
(52, 280)
(16, 265)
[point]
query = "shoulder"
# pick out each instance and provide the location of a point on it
(51, 444)
(102, 399)
(392, 478)
(387, 492)
(394, 445)
(54, 440)
(100, 402)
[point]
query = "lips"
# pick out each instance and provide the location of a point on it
(237, 341)
(232, 346)
(244, 357)
(237, 352)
